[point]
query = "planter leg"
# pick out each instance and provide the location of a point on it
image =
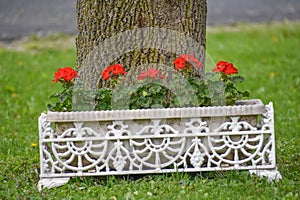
(271, 174)
(51, 182)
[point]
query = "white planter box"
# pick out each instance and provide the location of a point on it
(146, 141)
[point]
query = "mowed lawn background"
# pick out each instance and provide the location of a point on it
(267, 55)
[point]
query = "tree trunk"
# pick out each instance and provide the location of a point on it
(137, 32)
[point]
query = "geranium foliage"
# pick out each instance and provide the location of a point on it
(218, 87)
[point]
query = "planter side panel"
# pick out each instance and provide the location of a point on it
(156, 145)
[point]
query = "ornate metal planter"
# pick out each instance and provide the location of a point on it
(122, 142)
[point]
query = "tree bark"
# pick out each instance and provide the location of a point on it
(99, 21)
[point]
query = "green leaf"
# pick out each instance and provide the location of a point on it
(208, 76)
(144, 93)
(237, 79)
(55, 95)
(246, 94)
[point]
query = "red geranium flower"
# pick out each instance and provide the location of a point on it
(113, 70)
(180, 63)
(191, 58)
(151, 73)
(182, 60)
(106, 74)
(225, 67)
(118, 69)
(66, 74)
(142, 75)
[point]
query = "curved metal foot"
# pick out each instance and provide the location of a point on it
(271, 174)
(51, 182)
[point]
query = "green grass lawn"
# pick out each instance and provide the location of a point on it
(266, 55)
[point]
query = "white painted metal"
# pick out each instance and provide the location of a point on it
(157, 141)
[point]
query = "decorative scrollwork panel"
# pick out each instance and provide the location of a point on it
(159, 145)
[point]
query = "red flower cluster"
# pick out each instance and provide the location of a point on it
(182, 60)
(113, 70)
(151, 73)
(66, 73)
(225, 67)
